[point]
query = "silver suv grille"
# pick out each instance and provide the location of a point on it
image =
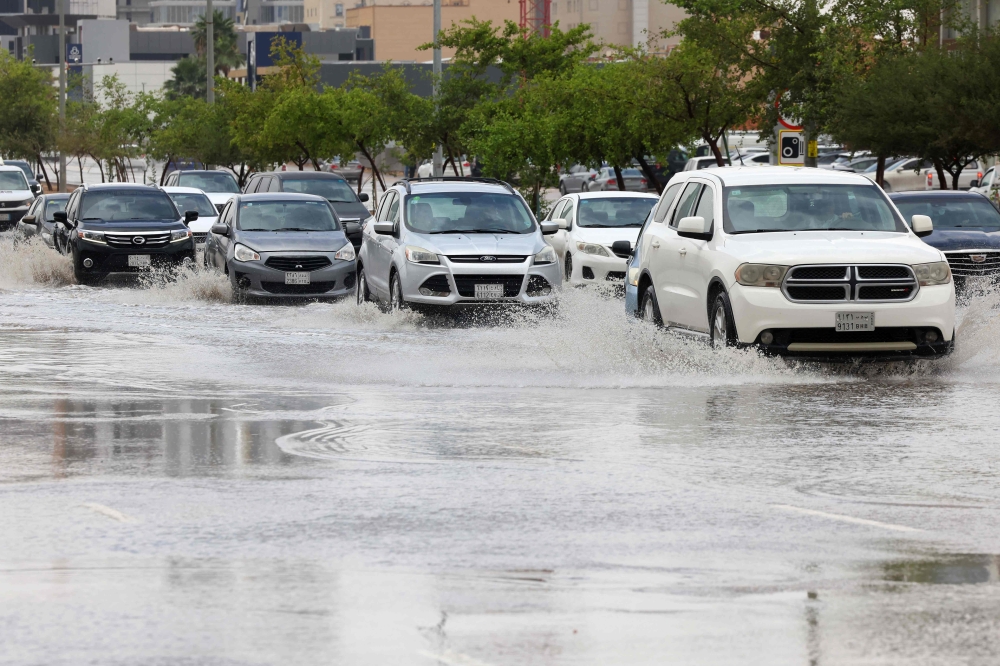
(826, 283)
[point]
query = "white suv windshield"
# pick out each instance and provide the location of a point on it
(762, 208)
(209, 182)
(623, 212)
(12, 180)
(467, 212)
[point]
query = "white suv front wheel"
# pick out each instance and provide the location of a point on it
(723, 330)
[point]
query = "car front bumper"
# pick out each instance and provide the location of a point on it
(524, 283)
(595, 268)
(254, 278)
(11, 216)
(115, 260)
(808, 329)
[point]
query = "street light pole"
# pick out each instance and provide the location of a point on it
(210, 52)
(62, 92)
(439, 153)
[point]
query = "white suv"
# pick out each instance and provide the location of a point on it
(802, 262)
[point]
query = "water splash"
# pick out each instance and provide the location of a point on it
(28, 263)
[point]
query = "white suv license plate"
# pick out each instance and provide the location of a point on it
(855, 321)
(138, 260)
(489, 291)
(4, 217)
(297, 278)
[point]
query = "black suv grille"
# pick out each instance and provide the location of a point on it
(885, 293)
(299, 289)
(817, 293)
(467, 283)
(965, 264)
(129, 240)
(297, 263)
(487, 259)
(819, 273)
(883, 273)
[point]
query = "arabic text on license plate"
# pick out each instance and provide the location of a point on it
(296, 278)
(138, 260)
(855, 321)
(4, 217)
(488, 291)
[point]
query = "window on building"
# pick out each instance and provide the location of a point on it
(338, 9)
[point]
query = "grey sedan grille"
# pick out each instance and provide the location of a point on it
(862, 283)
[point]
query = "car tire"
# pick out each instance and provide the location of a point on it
(649, 308)
(721, 324)
(562, 189)
(396, 300)
(886, 187)
(364, 295)
(568, 267)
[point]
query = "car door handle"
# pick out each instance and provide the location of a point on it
(655, 243)
(683, 251)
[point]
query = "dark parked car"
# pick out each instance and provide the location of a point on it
(278, 245)
(124, 228)
(966, 229)
(348, 204)
(40, 220)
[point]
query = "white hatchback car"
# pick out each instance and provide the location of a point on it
(191, 198)
(589, 224)
(799, 262)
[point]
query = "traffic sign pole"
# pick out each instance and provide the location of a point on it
(62, 93)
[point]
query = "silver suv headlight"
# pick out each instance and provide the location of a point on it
(346, 253)
(243, 253)
(938, 272)
(418, 255)
(546, 256)
(760, 275)
(592, 248)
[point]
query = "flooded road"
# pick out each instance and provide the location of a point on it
(188, 481)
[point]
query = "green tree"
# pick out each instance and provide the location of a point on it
(227, 51)
(28, 119)
(189, 79)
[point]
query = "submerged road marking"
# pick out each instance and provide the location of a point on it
(452, 658)
(847, 519)
(114, 514)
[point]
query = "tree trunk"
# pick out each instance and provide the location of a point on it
(650, 174)
(619, 178)
(942, 181)
(48, 183)
(375, 171)
(451, 158)
(79, 163)
(954, 178)
(713, 144)
(163, 174)
(880, 171)
(535, 198)
(361, 179)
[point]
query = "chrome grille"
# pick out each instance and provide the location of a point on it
(843, 283)
(974, 263)
(487, 259)
(153, 239)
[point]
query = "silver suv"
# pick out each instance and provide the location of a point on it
(455, 241)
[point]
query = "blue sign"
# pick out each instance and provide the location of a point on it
(74, 53)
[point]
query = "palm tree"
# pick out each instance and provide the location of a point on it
(227, 51)
(189, 79)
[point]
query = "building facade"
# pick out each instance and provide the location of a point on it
(621, 22)
(398, 28)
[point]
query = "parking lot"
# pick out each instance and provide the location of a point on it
(188, 480)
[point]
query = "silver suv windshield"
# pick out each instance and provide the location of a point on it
(468, 212)
(764, 208)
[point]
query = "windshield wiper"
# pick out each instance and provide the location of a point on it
(300, 229)
(609, 226)
(760, 231)
(341, 200)
(475, 231)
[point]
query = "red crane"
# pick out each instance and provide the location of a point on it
(536, 15)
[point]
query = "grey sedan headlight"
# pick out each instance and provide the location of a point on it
(243, 253)
(346, 253)
(938, 272)
(92, 236)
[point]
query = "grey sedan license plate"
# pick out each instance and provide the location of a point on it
(489, 291)
(138, 260)
(296, 278)
(855, 321)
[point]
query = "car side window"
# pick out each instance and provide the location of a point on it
(665, 201)
(687, 203)
(706, 204)
(275, 185)
(394, 210)
(569, 212)
(557, 211)
(32, 208)
(250, 186)
(71, 205)
(383, 211)
(988, 176)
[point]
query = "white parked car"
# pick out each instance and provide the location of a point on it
(970, 174)
(913, 173)
(800, 262)
(698, 163)
(589, 224)
(15, 196)
(192, 198)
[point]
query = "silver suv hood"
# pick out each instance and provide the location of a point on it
(458, 244)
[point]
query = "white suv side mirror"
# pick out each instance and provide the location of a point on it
(921, 225)
(562, 223)
(694, 227)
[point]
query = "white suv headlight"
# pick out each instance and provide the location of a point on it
(243, 253)
(546, 256)
(760, 275)
(592, 248)
(930, 274)
(418, 255)
(346, 253)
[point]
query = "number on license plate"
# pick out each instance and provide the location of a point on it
(855, 321)
(297, 278)
(489, 291)
(138, 260)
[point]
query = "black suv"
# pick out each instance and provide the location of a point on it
(349, 206)
(124, 228)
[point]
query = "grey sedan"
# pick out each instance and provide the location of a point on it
(277, 245)
(606, 180)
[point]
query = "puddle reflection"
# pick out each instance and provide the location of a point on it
(948, 570)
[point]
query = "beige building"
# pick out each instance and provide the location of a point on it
(400, 26)
(620, 22)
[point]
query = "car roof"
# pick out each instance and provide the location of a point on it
(280, 196)
(304, 175)
(174, 189)
(119, 186)
(201, 171)
(5, 167)
(617, 195)
(55, 196)
(937, 194)
(438, 186)
(739, 175)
